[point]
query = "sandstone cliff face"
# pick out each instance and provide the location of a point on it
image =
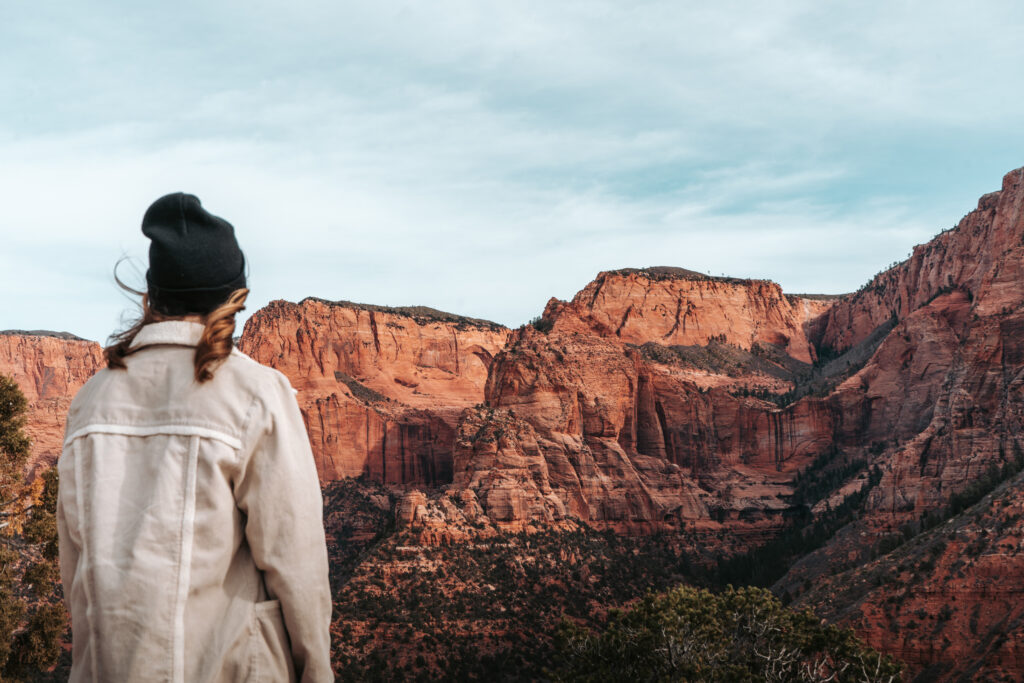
(380, 389)
(981, 257)
(579, 426)
(49, 369)
(942, 392)
(676, 306)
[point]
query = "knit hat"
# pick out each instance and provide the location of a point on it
(194, 260)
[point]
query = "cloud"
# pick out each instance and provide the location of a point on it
(481, 157)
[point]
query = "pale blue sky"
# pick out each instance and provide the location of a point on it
(483, 157)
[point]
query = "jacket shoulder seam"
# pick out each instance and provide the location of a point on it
(153, 430)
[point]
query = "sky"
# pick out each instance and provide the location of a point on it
(482, 157)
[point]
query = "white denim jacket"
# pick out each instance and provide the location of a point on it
(190, 523)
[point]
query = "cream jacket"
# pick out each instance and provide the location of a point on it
(189, 518)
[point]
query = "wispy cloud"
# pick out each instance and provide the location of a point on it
(482, 157)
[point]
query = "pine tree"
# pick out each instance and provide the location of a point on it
(32, 619)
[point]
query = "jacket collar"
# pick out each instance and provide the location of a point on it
(176, 332)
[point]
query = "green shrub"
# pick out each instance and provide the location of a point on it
(690, 634)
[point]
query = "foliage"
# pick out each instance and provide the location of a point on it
(720, 356)
(542, 324)
(14, 445)
(662, 273)
(690, 634)
(422, 315)
(486, 608)
(359, 390)
(31, 617)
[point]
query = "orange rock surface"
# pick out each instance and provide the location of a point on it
(582, 427)
(676, 306)
(48, 369)
(380, 389)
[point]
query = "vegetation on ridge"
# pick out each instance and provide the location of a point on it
(421, 314)
(659, 273)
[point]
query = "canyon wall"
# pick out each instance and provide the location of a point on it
(48, 368)
(380, 389)
(676, 306)
(979, 257)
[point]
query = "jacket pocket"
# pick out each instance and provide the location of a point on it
(271, 653)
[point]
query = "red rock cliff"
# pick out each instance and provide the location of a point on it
(980, 257)
(380, 389)
(586, 427)
(676, 306)
(49, 369)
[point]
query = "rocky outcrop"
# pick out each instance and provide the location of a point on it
(674, 306)
(950, 602)
(583, 427)
(381, 389)
(980, 257)
(942, 400)
(49, 368)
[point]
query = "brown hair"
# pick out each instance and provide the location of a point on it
(214, 346)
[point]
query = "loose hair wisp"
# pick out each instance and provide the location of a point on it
(214, 345)
(218, 336)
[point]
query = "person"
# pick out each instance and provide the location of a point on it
(189, 510)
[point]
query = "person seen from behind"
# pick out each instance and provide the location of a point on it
(189, 511)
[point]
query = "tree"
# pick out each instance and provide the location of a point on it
(741, 634)
(31, 616)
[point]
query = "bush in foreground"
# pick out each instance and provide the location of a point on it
(691, 634)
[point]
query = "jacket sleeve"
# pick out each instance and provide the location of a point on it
(279, 491)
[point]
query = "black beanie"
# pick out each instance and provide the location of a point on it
(194, 260)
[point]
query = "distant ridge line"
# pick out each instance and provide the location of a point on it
(415, 312)
(42, 333)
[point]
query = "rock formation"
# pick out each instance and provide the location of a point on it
(622, 435)
(949, 602)
(582, 426)
(49, 368)
(677, 306)
(381, 389)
